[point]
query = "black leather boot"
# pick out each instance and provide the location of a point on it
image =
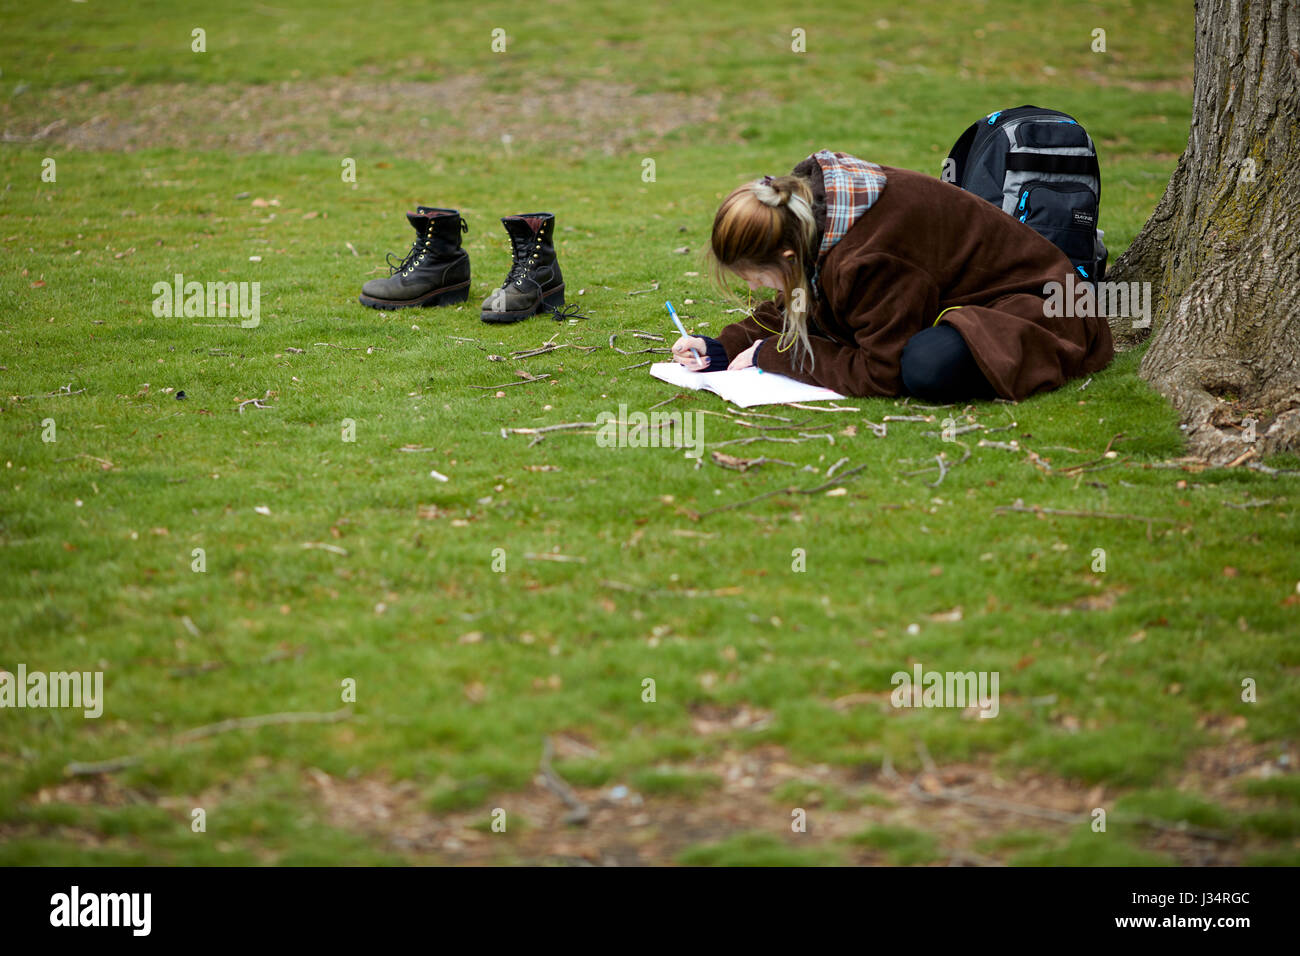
(434, 272)
(534, 283)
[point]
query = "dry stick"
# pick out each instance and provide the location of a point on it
(1254, 504)
(1019, 506)
(944, 469)
(650, 350)
(209, 666)
(1248, 453)
(744, 465)
(1083, 465)
(1265, 469)
(61, 391)
(566, 426)
(666, 401)
(956, 431)
(750, 441)
(830, 472)
(942, 466)
(104, 462)
(628, 368)
(787, 491)
(685, 592)
(908, 418)
(578, 811)
(255, 402)
(742, 411)
(209, 730)
(527, 381)
(818, 408)
(777, 428)
(548, 348)
(1005, 446)
(1045, 813)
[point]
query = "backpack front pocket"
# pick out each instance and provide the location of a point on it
(1065, 213)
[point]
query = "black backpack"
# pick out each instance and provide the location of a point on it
(1040, 166)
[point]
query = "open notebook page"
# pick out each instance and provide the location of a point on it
(744, 387)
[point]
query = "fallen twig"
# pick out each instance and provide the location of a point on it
(209, 730)
(744, 464)
(60, 392)
(745, 411)
(332, 548)
(750, 441)
(578, 811)
(787, 491)
(353, 348)
(255, 402)
(682, 593)
(526, 381)
(821, 408)
(1019, 507)
(956, 431)
(565, 426)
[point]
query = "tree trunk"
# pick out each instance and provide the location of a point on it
(1222, 249)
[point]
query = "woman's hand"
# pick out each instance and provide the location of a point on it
(746, 358)
(682, 352)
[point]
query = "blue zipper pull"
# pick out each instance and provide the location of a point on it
(993, 117)
(1023, 197)
(1083, 272)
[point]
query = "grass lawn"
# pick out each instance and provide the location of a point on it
(440, 631)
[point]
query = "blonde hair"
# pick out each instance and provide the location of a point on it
(755, 224)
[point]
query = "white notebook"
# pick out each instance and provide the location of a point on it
(744, 387)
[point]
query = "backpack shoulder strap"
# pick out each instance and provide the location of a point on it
(960, 152)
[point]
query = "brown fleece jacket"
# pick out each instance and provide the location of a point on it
(923, 247)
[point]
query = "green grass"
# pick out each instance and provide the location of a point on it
(903, 846)
(96, 560)
(757, 849)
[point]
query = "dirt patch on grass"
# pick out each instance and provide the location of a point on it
(963, 807)
(973, 813)
(414, 119)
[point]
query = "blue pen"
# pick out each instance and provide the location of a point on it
(678, 322)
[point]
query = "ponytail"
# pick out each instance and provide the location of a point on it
(756, 223)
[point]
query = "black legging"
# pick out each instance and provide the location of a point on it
(937, 365)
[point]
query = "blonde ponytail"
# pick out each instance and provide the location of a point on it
(754, 226)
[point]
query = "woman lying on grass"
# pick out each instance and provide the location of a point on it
(891, 282)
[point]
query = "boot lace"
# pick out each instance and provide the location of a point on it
(413, 258)
(520, 265)
(419, 249)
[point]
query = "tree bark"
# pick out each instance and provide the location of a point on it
(1222, 249)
